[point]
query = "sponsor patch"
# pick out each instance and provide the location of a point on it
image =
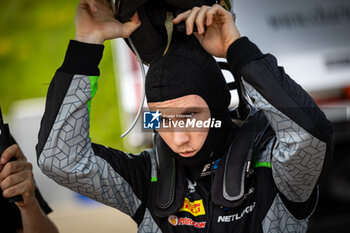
(175, 221)
(207, 168)
(195, 208)
(238, 216)
(190, 222)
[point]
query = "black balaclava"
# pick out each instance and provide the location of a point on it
(188, 69)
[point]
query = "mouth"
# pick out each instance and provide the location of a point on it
(187, 153)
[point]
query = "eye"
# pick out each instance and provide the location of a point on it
(191, 114)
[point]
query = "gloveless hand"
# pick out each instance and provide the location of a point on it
(216, 28)
(16, 176)
(95, 23)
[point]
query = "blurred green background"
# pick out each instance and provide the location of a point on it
(33, 39)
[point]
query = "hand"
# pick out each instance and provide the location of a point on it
(16, 177)
(216, 28)
(95, 23)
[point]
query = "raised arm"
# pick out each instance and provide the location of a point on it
(65, 151)
(303, 134)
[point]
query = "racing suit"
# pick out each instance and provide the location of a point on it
(278, 193)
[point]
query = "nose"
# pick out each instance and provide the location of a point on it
(180, 138)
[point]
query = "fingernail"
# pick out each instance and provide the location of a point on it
(3, 161)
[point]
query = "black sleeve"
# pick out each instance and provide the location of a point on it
(10, 216)
(81, 58)
(263, 73)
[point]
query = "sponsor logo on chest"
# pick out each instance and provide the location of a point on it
(175, 221)
(237, 216)
(195, 208)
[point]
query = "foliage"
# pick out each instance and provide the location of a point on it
(34, 37)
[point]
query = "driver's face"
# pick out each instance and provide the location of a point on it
(185, 142)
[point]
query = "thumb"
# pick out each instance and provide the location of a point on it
(131, 26)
